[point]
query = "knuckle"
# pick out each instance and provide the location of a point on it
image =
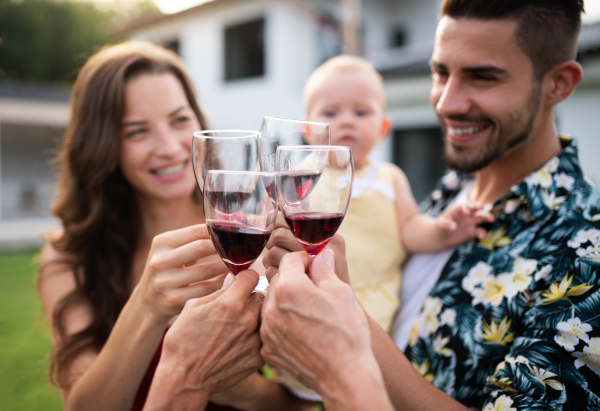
(155, 263)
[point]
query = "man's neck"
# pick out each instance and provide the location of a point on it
(498, 177)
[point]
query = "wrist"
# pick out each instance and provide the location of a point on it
(357, 386)
(172, 390)
(139, 303)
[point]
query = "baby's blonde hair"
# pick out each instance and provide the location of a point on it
(340, 64)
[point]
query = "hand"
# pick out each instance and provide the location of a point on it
(461, 223)
(213, 345)
(169, 280)
(314, 327)
(282, 242)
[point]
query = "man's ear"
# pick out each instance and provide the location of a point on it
(386, 128)
(562, 80)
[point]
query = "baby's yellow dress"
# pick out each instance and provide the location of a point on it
(374, 251)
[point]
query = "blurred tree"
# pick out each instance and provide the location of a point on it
(48, 40)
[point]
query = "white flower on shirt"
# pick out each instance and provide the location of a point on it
(493, 291)
(428, 319)
(520, 278)
(439, 345)
(576, 328)
(592, 252)
(583, 236)
(552, 200)
(476, 276)
(590, 356)
(503, 403)
(543, 177)
(448, 317)
(564, 181)
(451, 180)
(566, 340)
(543, 273)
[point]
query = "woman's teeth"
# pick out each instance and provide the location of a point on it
(466, 131)
(170, 170)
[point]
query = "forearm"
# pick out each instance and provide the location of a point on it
(421, 234)
(274, 397)
(112, 381)
(407, 389)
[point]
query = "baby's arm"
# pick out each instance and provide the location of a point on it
(422, 233)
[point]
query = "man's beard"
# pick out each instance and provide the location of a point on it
(504, 137)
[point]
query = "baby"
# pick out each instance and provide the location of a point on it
(382, 223)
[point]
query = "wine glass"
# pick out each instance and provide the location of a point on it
(314, 184)
(275, 132)
(240, 214)
(223, 150)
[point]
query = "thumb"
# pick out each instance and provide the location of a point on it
(447, 224)
(322, 268)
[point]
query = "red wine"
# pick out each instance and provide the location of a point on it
(228, 202)
(237, 245)
(295, 185)
(314, 230)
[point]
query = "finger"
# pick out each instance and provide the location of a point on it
(197, 273)
(480, 233)
(190, 252)
(446, 224)
(243, 285)
(201, 289)
(295, 265)
(486, 217)
(322, 269)
(338, 245)
(270, 272)
(186, 235)
(280, 221)
(283, 238)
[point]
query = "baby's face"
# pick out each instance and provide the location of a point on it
(351, 103)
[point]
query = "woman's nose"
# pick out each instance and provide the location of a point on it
(167, 143)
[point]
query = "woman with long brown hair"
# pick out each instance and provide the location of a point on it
(133, 249)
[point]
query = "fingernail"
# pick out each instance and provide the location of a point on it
(228, 280)
(328, 257)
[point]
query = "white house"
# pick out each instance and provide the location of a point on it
(250, 58)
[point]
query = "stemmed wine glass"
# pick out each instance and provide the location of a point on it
(275, 132)
(240, 214)
(235, 150)
(314, 184)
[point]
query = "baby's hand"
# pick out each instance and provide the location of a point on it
(461, 223)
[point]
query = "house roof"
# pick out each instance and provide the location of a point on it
(155, 20)
(414, 62)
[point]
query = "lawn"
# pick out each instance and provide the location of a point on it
(24, 338)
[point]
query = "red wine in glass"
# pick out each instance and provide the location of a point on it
(296, 185)
(314, 230)
(239, 246)
(228, 202)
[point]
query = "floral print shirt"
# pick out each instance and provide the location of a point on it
(513, 322)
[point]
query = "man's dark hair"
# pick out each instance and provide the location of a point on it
(547, 29)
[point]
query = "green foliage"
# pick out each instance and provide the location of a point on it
(48, 41)
(24, 338)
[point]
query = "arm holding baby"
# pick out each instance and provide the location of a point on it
(422, 233)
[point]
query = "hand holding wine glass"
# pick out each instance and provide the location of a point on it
(314, 185)
(240, 214)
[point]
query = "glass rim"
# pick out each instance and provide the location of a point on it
(313, 147)
(251, 173)
(295, 121)
(240, 133)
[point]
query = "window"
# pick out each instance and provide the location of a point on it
(172, 45)
(398, 38)
(420, 154)
(245, 50)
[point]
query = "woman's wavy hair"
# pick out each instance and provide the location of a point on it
(96, 204)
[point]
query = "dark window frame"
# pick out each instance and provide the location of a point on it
(244, 50)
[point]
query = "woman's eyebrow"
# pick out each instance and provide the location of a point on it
(134, 123)
(177, 111)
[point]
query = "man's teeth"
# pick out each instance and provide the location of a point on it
(466, 131)
(170, 170)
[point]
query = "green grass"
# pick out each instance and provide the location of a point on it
(24, 338)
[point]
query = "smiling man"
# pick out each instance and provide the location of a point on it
(509, 322)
